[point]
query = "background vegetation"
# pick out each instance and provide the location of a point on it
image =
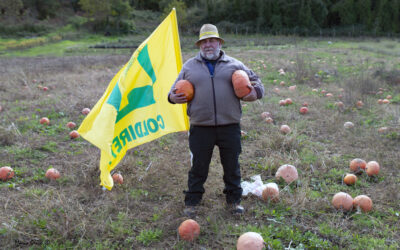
(279, 17)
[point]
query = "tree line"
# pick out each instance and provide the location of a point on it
(284, 17)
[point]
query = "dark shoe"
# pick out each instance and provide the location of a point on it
(237, 209)
(190, 211)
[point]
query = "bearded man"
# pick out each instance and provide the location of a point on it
(214, 113)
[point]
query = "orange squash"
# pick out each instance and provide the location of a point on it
(250, 241)
(372, 168)
(350, 179)
(52, 174)
(357, 164)
(186, 87)
(287, 172)
(343, 201)
(117, 178)
(285, 129)
(45, 121)
(6, 173)
(189, 230)
(241, 83)
(363, 202)
(271, 192)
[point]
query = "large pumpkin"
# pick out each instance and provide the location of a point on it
(372, 168)
(287, 172)
(189, 230)
(241, 83)
(363, 202)
(343, 201)
(250, 241)
(186, 87)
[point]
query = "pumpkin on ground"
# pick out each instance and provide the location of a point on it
(6, 173)
(350, 179)
(285, 129)
(186, 87)
(117, 178)
(189, 230)
(52, 174)
(372, 168)
(287, 172)
(343, 201)
(357, 165)
(250, 241)
(363, 202)
(241, 83)
(271, 192)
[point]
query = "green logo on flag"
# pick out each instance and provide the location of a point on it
(138, 97)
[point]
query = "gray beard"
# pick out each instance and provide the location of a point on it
(213, 56)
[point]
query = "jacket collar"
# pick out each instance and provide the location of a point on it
(222, 58)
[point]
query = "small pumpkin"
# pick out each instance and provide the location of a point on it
(250, 241)
(74, 134)
(287, 172)
(189, 230)
(85, 111)
(6, 173)
(350, 179)
(372, 168)
(285, 129)
(241, 83)
(348, 125)
(186, 87)
(271, 192)
(117, 178)
(363, 202)
(303, 110)
(45, 121)
(343, 201)
(52, 174)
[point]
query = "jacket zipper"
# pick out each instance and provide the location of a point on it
(215, 105)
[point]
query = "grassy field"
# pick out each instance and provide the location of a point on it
(145, 212)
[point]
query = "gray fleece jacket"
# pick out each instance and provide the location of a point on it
(214, 102)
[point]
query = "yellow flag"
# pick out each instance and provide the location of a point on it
(134, 109)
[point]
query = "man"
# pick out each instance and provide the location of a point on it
(214, 114)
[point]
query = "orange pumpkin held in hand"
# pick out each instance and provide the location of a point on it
(6, 173)
(186, 87)
(241, 83)
(189, 230)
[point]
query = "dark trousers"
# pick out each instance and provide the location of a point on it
(202, 140)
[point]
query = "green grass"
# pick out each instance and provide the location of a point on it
(145, 211)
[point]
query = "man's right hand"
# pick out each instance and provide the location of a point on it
(177, 97)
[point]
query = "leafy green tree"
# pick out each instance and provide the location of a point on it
(181, 13)
(107, 15)
(347, 12)
(10, 7)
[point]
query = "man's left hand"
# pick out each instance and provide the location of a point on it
(252, 96)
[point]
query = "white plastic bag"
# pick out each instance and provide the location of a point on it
(256, 187)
